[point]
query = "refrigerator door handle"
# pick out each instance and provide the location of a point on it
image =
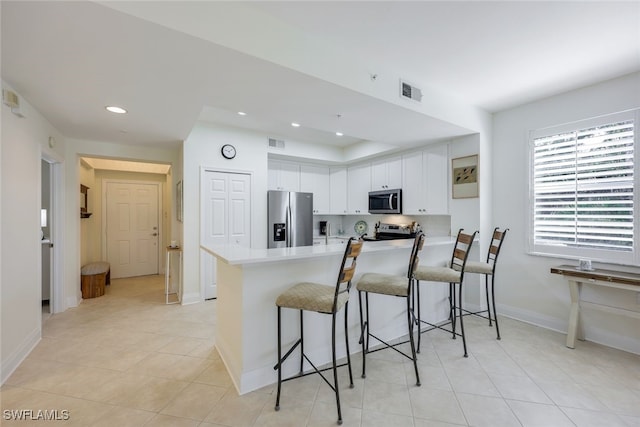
(287, 227)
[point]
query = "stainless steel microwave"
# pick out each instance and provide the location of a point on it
(385, 201)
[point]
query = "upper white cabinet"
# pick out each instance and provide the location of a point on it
(315, 179)
(338, 190)
(358, 187)
(424, 182)
(283, 175)
(386, 174)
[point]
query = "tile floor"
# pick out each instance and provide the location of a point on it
(126, 359)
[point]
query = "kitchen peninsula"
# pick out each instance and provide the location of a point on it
(249, 281)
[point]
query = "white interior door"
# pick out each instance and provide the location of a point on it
(132, 229)
(225, 217)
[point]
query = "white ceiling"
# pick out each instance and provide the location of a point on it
(173, 63)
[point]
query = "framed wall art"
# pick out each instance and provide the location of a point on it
(464, 178)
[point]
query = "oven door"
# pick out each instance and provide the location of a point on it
(385, 202)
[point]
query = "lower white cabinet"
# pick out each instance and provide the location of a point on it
(425, 182)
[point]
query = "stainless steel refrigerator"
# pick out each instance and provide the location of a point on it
(290, 219)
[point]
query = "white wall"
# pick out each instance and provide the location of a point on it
(24, 142)
(202, 149)
(525, 288)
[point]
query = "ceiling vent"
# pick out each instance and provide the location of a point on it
(409, 91)
(276, 143)
(11, 100)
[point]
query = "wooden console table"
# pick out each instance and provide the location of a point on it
(598, 277)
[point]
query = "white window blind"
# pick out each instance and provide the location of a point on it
(583, 189)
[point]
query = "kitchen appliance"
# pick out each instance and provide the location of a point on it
(385, 201)
(323, 228)
(290, 219)
(386, 231)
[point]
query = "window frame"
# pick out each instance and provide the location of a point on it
(632, 257)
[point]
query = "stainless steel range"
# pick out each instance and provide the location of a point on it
(384, 231)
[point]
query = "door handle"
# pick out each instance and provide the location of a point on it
(154, 234)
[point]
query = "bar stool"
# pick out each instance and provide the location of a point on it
(488, 268)
(452, 274)
(397, 286)
(321, 299)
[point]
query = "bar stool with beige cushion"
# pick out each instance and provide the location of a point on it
(488, 268)
(454, 275)
(325, 300)
(397, 286)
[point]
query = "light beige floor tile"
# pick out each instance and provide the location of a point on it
(430, 376)
(519, 388)
(418, 422)
(168, 421)
(436, 405)
(484, 411)
(194, 401)
(293, 415)
(239, 411)
(622, 400)
(390, 371)
(164, 365)
(472, 382)
(386, 397)
(139, 392)
(326, 415)
(215, 374)
(349, 397)
(182, 345)
(380, 419)
(586, 418)
(539, 415)
(571, 395)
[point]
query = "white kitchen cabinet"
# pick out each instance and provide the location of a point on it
(386, 174)
(315, 179)
(284, 176)
(425, 181)
(358, 187)
(338, 190)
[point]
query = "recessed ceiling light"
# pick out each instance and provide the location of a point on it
(295, 125)
(339, 134)
(242, 113)
(114, 109)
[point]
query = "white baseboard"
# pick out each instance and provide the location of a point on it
(18, 356)
(72, 302)
(596, 335)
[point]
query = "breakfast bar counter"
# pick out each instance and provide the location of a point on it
(249, 281)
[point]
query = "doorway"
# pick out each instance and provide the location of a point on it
(132, 227)
(225, 217)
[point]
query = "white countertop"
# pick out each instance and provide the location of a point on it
(238, 255)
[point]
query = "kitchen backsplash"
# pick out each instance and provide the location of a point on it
(343, 225)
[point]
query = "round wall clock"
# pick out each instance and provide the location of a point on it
(228, 151)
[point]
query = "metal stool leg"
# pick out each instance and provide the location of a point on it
(486, 291)
(335, 370)
(279, 361)
(413, 346)
(346, 341)
(301, 343)
(464, 341)
(493, 300)
(419, 317)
